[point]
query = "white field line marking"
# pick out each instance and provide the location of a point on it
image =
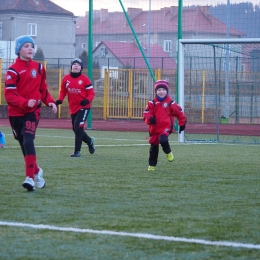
(72, 137)
(171, 142)
(69, 146)
(109, 139)
(137, 235)
(137, 140)
(127, 145)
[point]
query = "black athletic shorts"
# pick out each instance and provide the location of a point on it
(27, 124)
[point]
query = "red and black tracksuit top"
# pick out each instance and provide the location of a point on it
(77, 89)
(164, 111)
(25, 80)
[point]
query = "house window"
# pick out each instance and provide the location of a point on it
(32, 29)
(113, 72)
(103, 52)
(167, 45)
(83, 45)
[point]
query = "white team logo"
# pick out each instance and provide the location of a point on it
(165, 105)
(67, 84)
(80, 82)
(33, 73)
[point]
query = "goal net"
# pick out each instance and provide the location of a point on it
(219, 89)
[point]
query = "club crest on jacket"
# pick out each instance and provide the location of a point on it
(33, 73)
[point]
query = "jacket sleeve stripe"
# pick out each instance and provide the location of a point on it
(89, 87)
(12, 71)
(10, 87)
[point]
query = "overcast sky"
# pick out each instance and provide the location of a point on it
(79, 7)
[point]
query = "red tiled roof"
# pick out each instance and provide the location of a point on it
(130, 55)
(162, 21)
(29, 6)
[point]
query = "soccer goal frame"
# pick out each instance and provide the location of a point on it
(181, 64)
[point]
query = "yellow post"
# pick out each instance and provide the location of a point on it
(60, 79)
(105, 94)
(130, 94)
(1, 81)
(159, 74)
(203, 96)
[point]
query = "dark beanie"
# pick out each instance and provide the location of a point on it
(77, 60)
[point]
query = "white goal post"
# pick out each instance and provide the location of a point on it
(209, 42)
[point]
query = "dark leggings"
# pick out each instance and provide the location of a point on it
(78, 122)
(154, 149)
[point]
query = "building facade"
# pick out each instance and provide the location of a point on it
(51, 27)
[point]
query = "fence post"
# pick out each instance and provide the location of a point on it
(59, 107)
(130, 93)
(106, 88)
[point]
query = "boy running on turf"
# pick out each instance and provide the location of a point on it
(80, 93)
(25, 90)
(159, 114)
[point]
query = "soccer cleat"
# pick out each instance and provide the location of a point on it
(40, 182)
(29, 184)
(170, 157)
(76, 154)
(151, 168)
(91, 146)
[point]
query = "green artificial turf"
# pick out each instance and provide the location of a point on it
(210, 192)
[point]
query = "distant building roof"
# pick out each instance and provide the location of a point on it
(165, 20)
(129, 55)
(32, 6)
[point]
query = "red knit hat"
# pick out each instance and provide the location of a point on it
(161, 84)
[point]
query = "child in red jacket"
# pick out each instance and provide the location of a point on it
(159, 114)
(80, 92)
(25, 90)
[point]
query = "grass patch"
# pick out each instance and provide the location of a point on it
(209, 192)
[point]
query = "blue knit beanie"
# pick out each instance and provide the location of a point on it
(20, 41)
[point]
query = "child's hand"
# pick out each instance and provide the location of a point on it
(152, 120)
(182, 127)
(58, 102)
(84, 102)
(31, 102)
(54, 107)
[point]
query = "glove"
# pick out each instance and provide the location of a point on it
(84, 102)
(152, 120)
(182, 127)
(58, 102)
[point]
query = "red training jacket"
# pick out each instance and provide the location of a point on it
(25, 80)
(164, 111)
(77, 89)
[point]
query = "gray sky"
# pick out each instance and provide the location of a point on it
(79, 7)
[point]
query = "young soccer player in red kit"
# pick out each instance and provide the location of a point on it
(80, 93)
(25, 90)
(159, 114)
